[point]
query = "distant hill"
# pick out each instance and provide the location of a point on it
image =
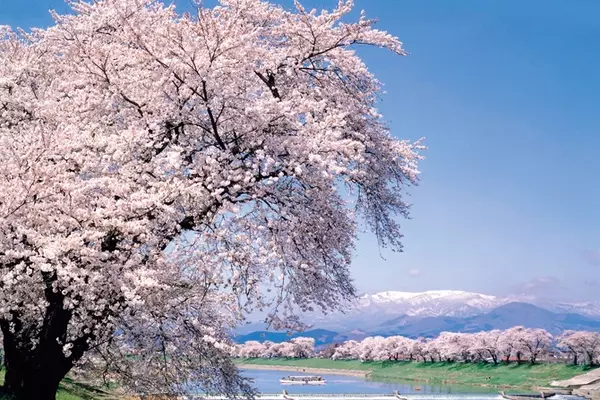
(532, 316)
(502, 317)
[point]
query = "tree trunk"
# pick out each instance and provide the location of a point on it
(33, 354)
(32, 373)
(533, 359)
(591, 358)
(40, 385)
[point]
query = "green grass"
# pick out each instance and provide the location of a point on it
(517, 376)
(72, 390)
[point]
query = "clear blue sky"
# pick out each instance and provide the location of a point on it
(507, 93)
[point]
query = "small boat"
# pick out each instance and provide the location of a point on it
(302, 380)
(542, 395)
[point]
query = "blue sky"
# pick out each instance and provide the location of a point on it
(507, 94)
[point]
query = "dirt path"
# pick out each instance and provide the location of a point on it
(320, 371)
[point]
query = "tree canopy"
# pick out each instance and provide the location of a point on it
(163, 175)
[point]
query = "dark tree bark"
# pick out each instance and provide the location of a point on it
(590, 355)
(519, 360)
(32, 376)
(34, 371)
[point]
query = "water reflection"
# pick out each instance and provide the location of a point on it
(267, 382)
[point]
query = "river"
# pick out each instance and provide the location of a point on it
(267, 382)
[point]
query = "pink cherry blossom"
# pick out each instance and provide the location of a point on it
(163, 175)
(581, 346)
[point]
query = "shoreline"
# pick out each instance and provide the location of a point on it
(491, 377)
(357, 373)
(323, 371)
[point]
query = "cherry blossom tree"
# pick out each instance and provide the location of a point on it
(349, 350)
(255, 349)
(303, 347)
(431, 350)
(581, 346)
(372, 349)
(589, 343)
(534, 343)
(252, 349)
(464, 342)
(416, 349)
(276, 350)
(509, 343)
(453, 346)
(487, 345)
(267, 349)
(397, 347)
(163, 175)
(567, 343)
(328, 351)
(300, 347)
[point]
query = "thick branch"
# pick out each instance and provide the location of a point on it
(270, 82)
(213, 121)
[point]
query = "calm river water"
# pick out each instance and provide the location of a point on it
(267, 382)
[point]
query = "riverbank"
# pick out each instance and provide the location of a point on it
(488, 375)
(307, 370)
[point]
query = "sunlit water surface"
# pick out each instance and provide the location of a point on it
(267, 382)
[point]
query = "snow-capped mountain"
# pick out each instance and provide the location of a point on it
(372, 310)
(434, 303)
(428, 313)
(589, 309)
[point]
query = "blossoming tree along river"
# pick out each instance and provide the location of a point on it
(163, 175)
(517, 344)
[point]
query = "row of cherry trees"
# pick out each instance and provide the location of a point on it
(300, 347)
(517, 344)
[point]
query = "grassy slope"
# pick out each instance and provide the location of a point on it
(71, 390)
(522, 376)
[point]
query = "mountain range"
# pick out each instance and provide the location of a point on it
(429, 313)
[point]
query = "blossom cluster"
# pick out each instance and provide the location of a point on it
(163, 175)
